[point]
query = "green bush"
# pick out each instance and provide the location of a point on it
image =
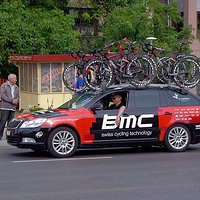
(36, 108)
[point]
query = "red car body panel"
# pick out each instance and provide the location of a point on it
(151, 114)
(175, 115)
(82, 119)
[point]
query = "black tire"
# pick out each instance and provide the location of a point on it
(186, 72)
(101, 74)
(142, 71)
(70, 76)
(193, 57)
(177, 138)
(62, 142)
(166, 71)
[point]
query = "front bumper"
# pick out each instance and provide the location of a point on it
(16, 137)
(195, 139)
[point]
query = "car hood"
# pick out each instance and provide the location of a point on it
(48, 114)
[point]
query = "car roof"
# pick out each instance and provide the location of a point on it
(127, 87)
(114, 88)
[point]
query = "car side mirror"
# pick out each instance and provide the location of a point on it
(97, 106)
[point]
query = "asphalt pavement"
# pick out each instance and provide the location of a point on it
(106, 174)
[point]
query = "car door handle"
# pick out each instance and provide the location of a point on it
(167, 113)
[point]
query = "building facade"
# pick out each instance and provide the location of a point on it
(40, 80)
(191, 14)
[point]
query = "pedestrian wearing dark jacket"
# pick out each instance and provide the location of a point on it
(9, 92)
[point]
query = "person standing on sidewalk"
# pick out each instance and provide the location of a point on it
(9, 93)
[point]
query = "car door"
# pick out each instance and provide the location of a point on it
(146, 103)
(105, 129)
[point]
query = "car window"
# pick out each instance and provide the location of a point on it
(182, 99)
(78, 101)
(107, 102)
(147, 98)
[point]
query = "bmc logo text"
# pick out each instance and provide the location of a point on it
(129, 121)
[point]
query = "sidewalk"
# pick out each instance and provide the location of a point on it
(3, 142)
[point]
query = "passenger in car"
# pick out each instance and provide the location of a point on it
(117, 104)
(104, 103)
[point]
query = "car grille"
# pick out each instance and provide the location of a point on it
(13, 140)
(14, 123)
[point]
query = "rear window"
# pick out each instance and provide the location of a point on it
(147, 98)
(182, 98)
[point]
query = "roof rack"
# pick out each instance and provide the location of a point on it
(171, 85)
(119, 86)
(127, 85)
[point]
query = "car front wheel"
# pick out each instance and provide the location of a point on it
(62, 142)
(177, 138)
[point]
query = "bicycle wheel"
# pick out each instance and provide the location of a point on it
(186, 72)
(192, 57)
(100, 74)
(70, 76)
(166, 72)
(141, 70)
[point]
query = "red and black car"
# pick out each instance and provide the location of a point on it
(157, 115)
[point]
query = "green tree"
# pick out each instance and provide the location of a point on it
(138, 19)
(106, 6)
(34, 30)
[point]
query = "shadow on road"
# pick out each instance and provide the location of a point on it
(26, 153)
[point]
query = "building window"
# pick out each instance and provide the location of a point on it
(35, 78)
(45, 77)
(51, 77)
(71, 11)
(25, 75)
(198, 5)
(30, 78)
(198, 24)
(21, 76)
(56, 76)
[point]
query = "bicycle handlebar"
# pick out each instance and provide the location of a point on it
(78, 54)
(111, 44)
(146, 47)
(103, 51)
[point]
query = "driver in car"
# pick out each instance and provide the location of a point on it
(117, 104)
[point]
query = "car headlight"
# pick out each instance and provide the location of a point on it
(33, 123)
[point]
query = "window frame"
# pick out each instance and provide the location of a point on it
(160, 94)
(172, 103)
(127, 92)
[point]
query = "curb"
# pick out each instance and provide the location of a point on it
(3, 142)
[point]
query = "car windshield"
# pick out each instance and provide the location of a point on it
(78, 101)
